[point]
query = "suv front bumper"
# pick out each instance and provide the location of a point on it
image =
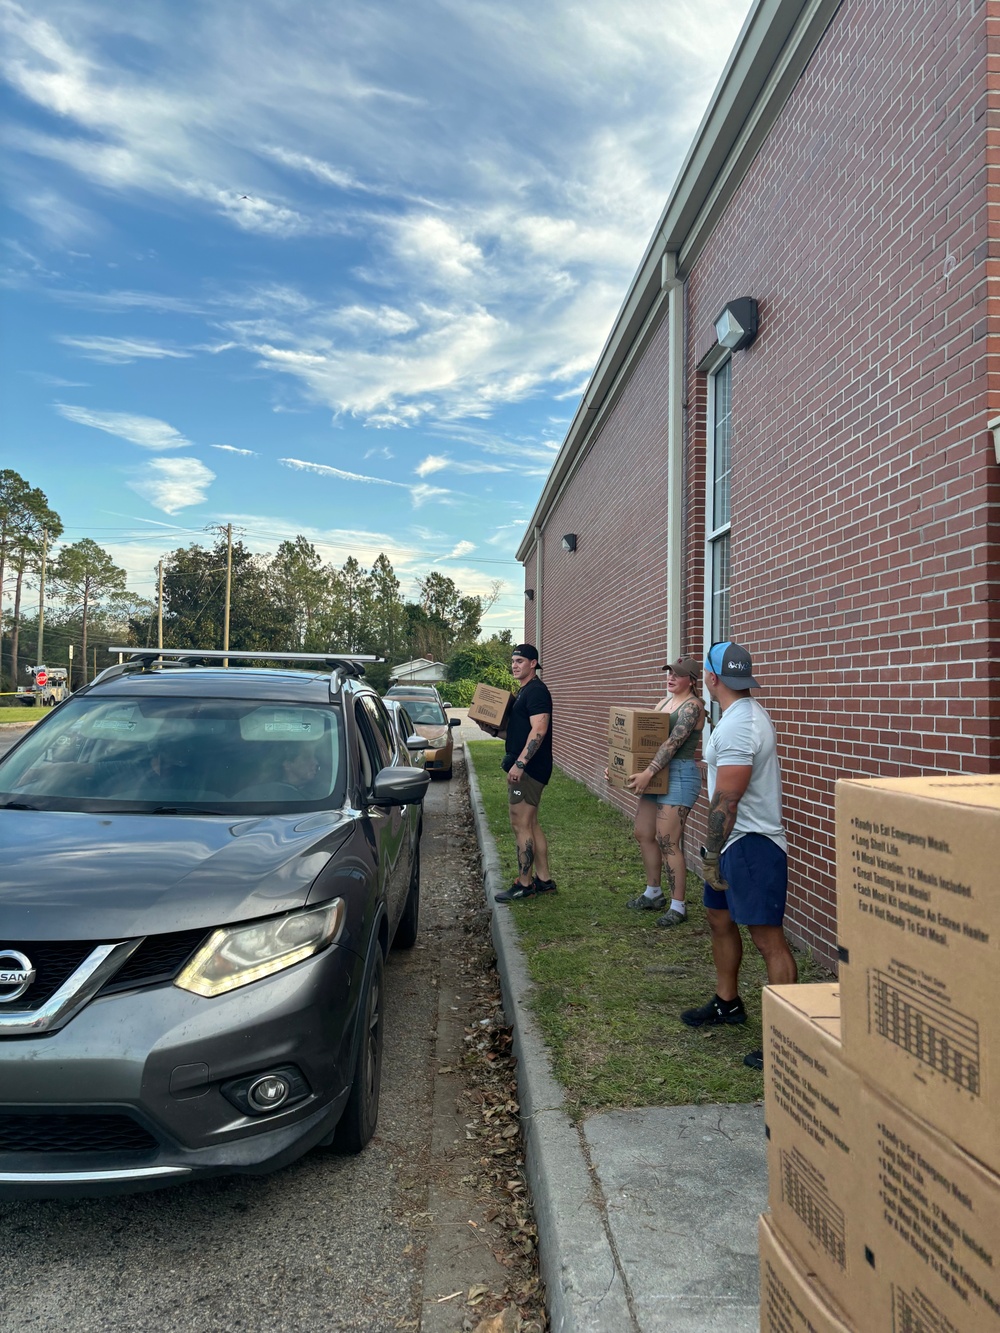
(129, 1095)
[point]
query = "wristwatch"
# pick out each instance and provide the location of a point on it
(706, 855)
(518, 763)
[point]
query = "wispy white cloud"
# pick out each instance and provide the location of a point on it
(507, 534)
(420, 494)
(172, 484)
(423, 493)
(325, 470)
(462, 548)
(120, 351)
(441, 462)
(55, 381)
(147, 432)
(232, 449)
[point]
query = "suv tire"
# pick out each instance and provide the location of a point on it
(357, 1124)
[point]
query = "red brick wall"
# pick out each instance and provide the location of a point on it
(604, 607)
(864, 490)
(863, 569)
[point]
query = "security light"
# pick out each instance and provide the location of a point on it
(736, 323)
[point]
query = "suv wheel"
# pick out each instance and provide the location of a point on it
(357, 1124)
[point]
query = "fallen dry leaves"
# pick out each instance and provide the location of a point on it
(490, 1113)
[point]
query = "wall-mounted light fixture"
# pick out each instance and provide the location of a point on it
(530, 594)
(569, 542)
(736, 323)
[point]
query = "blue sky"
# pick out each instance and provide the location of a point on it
(334, 269)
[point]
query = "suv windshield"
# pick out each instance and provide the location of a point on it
(123, 753)
(425, 711)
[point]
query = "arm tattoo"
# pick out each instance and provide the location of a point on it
(533, 743)
(721, 818)
(687, 719)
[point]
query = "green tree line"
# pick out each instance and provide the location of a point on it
(288, 601)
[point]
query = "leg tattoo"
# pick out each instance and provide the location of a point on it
(525, 857)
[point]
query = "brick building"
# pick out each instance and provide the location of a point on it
(827, 495)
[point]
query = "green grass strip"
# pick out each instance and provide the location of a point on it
(609, 983)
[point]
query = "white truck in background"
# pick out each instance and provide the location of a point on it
(49, 685)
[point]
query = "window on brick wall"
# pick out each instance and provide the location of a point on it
(717, 522)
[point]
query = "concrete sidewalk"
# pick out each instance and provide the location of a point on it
(647, 1219)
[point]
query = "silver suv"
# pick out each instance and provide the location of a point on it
(202, 868)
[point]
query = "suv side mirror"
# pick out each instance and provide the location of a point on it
(454, 722)
(400, 786)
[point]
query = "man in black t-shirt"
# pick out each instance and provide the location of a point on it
(528, 762)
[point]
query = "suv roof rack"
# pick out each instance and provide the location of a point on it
(341, 665)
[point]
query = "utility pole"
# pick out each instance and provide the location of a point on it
(229, 581)
(159, 606)
(39, 659)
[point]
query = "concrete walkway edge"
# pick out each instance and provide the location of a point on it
(584, 1287)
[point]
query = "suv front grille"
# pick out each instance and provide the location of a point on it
(73, 1133)
(54, 962)
(158, 958)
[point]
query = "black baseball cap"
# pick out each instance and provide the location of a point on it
(527, 650)
(732, 665)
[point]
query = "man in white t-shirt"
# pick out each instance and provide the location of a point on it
(744, 858)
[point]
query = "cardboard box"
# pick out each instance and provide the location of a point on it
(639, 731)
(491, 706)
(931, 1221)
(811, 1100)
(918, 922)
(791, 1298)
(623, 764)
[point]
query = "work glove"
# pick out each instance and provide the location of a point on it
(711, 872)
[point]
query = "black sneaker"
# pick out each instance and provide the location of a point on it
(755, 1060)
(716, 1013)
(516, 892)
(543, 885)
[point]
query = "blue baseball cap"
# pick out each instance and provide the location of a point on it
(732, 665)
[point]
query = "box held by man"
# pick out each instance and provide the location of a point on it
(491, 705)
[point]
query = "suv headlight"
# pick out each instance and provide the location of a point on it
(237, 955)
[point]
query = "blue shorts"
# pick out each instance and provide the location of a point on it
(684, 784)
(756, 870)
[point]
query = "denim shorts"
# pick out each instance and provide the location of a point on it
(684, 784)
(756, 870)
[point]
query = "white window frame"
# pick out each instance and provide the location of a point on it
(714, 533)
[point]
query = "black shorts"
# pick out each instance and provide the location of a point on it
(526, 789)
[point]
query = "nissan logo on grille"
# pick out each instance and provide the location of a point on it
(16, 975)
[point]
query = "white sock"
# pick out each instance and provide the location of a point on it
(653, 891)
(677, 906)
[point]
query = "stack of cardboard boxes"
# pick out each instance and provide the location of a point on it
(882, 1092)
(634, 736)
